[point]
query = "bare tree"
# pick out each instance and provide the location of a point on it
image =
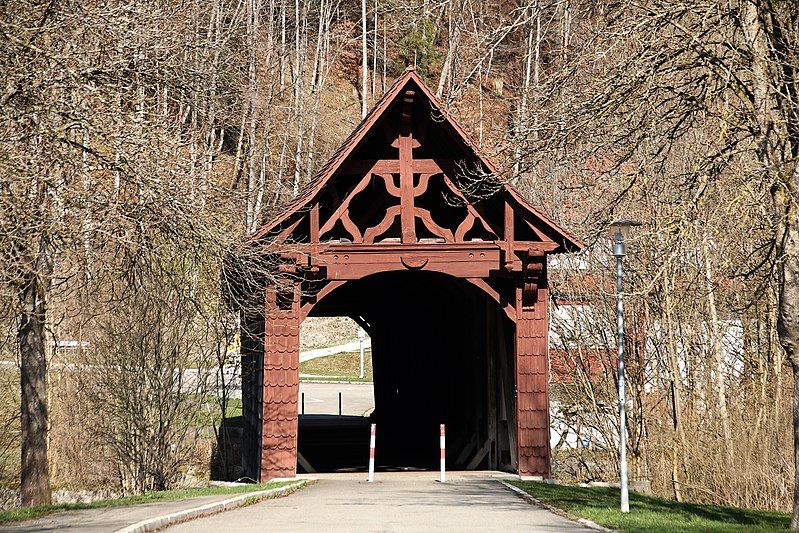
(364, 63)
(693, 94)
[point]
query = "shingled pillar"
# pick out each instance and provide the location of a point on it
(281, 383)
(532, 399)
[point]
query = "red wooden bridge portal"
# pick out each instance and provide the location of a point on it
(407, 231)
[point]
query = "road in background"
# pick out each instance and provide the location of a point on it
(322, 398)
(353, 346)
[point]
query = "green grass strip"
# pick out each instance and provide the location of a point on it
(343, 366)
(27, 513)
(648, 513)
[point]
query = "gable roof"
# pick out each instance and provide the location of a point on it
(339, 157)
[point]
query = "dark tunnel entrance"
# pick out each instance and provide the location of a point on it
(441, 353)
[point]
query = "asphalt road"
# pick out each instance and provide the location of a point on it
(322, 398)
(394, 502)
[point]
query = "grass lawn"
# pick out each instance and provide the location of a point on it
(211, 414)
(27, 513)
(234, 407)
(652, 514)
(344, 366)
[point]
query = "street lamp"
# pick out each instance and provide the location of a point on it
(361, 338)
(619, 230)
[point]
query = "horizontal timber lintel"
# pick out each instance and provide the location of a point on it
(387, 166)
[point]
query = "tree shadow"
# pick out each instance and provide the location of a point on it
(225, 464)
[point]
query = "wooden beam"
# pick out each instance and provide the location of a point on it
(424, 181)
(315, 223)
(509, 383)
(324, 291)
(345, 205)
(467, 449)
(427, 219)
(478, 458)
(449, 171)
(491, 404)
(469, 207)
(508, 235)
(507, 307)
(407, 214)
(535, 247)
(392, 166)
(347, 261)
(372, 233)
(537, 232)
(464, 227)
(305, 464)
(391, 188)
(285, 232)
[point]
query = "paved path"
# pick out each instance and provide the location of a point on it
(353, 346)
(358, 399)
(108, 519)
(394, 502)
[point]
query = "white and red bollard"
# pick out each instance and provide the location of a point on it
(443, 477)
(372, 454)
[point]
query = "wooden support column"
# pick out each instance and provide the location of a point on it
(532, 396)
(489, 347)
(281, 383)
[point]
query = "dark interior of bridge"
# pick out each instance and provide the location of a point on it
(441, 353)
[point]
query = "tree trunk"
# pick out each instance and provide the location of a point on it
(374, 51)
(521, 116)
(780, 161)
(35, 470)
(788, 305)
(445, 78)
(677, 393)
(364, 63)
(795, 514)
(718, 354)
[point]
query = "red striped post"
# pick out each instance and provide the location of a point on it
(443, 478)
(372, 454)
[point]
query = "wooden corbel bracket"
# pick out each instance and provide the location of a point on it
(532, 277)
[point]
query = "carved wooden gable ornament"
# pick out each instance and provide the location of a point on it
(410, 185)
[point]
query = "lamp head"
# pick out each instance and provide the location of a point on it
(622, 226)
(620, 230)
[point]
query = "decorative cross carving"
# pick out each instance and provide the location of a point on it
(405, 190)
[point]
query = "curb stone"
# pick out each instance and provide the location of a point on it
(558, 511)
(241, 500)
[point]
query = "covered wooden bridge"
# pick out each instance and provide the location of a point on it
(406, 231)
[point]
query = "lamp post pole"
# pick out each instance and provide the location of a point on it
(361, 337)
(619, 253)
